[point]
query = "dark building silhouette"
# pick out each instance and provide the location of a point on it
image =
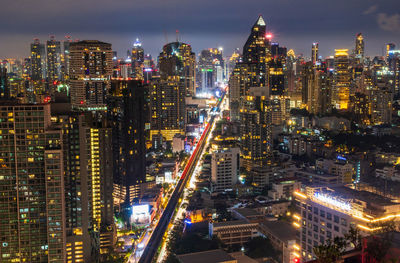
(128, 113)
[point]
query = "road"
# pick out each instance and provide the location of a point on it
(159, 231)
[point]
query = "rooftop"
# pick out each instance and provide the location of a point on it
(231, 223)
(211, 256)
(280, 229)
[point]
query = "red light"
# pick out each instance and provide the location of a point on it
(296, 260)
(269, 35)
(81, 101)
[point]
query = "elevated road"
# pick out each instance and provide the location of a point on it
(161, 228)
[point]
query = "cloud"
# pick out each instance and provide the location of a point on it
(370, 10)
(389, 22)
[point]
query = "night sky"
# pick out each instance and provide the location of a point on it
(202, 23)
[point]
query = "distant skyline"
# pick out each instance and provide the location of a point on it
(203, 24)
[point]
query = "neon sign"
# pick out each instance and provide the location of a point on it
(329, 200)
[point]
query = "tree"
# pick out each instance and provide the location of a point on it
(354, 237)
(331, 250)
(378, 245)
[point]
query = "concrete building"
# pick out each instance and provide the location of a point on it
(233, 232)
(224, 170)
(88, 186)
(283, 237)
(340, 167)
(32, 208)
(90, 74)
(327, 212)
(284, 189)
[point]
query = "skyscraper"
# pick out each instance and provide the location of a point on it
(255, 131)
(128, 113)
(210, 68)
(32, 211)
(252, 71)
(88, 185)
(341, 86)
(53, 48)
(168, 92)
(167, 100)
(137, 60)
(177, 63)
(38, 60)
(314, 53)
(359, 50)
(4, 86)
(90, 74)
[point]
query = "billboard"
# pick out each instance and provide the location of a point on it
(140, 214)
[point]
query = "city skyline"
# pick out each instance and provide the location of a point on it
(155, 24)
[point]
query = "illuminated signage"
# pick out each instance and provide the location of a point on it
(330, 200)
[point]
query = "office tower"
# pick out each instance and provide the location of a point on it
(128, 114)
(389, 50)
(255, 129)
(231, 62)
(360, 105)
(324, 213)
(53, 48)
(88, 186)
(65, 57)
(359, 50)
(210, 69)
(252, 71)
(381, 99)
(314, 53)
(4, 85)
(177, 63)
(277, 65)
(32, 212)
(256, 48)
(167, 100)
(149, 68)
(90, 74)
(38, 60)
(224, 170)
(137, 60)
(168, 91)
(341, 85)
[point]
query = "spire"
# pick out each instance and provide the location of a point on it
(137, 43)
(260, 21)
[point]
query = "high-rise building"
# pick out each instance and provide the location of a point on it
(381, 104)
(65, 57)
(389, 48)
(53, 48)
(224, 170)
(255, 129)
(167, 100)
(210, 69)
(341, 85)
(38, 60)
(252, 70)
(90, 74)
(359, 50)
(177, 63)
(32, 211)
(128, 114)
(168, 91)
(314, 53)
(137, 59)
(88, 179)
(4, 86)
